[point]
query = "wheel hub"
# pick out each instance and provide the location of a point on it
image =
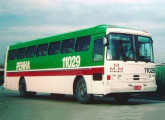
(82, 90)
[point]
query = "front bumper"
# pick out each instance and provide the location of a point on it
(129, 88)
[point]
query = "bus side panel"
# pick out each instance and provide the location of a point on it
(54, 84)
(50, 84)
(88, 80)
(97, 87)
(12, 83)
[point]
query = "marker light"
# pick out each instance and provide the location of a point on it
(114, 77)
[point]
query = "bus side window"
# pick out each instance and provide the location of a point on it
(54, 48)
(42, 50)
(98, 50)
(12, 54)
(31, 51)
(21, 53)
(82, 43)
(67, 46)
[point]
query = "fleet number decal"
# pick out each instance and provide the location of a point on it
(71, 61)
(25, 65)
(149, 70)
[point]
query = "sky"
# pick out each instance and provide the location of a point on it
(24, 20)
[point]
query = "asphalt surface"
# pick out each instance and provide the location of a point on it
(44, 107)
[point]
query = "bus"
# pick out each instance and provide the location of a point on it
(98, 61)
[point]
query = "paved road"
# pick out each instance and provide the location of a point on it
(1, 87)
(44, 107)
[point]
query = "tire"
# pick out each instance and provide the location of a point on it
(81, 92)
(122, 98)
(23, 90)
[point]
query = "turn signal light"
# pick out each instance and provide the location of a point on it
(108, 77)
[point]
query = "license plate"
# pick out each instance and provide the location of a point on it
(138, 87)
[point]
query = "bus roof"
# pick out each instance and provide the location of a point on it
(64, 36)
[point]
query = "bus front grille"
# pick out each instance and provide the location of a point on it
(135, 78)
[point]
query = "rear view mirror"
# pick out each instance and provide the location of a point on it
(105, 41)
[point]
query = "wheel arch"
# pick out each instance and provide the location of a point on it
(21, 78)
(75, 82)
(23, 90)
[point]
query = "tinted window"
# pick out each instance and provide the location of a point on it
(12, 54)
(31, 51)
(42, 50)
(21, 53)
(82, 43)
(67, 46)
(54, 48)
(98, 50)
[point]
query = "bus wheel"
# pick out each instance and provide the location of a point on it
(23, 90)
(81, 92)
(122, 98)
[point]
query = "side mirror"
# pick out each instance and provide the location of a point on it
(105, 41)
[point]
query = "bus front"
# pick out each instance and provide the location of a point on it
(129, 63)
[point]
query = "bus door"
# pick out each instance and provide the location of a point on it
(98, 64)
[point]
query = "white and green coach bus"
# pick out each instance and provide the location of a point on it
(99, 61)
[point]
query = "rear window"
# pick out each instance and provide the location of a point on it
(67, 46)
(42, 50)
(21, 53)
(54, 48)
(31, 51)
(12, 54)
(82, 43)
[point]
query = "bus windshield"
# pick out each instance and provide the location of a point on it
(128, 47)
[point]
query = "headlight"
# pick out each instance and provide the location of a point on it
(151, 77)
(119, 77)
(114, 77)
